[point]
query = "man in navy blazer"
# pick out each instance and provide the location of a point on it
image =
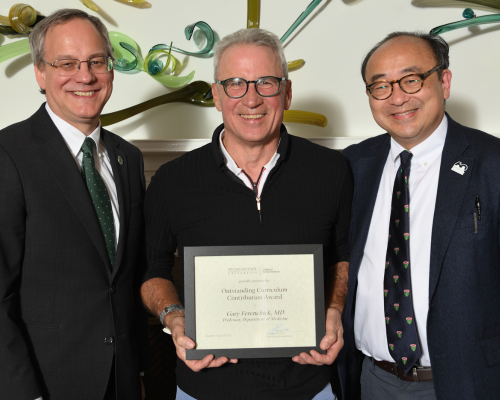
(72, 325)
(454, 191)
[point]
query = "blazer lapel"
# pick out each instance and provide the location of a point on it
(451, 192)
(368, 172)
(120, 176)
(54, 153)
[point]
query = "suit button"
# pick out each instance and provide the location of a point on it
(112, 289)
(109, 340)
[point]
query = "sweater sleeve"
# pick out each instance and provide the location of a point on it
(344, 217)
(160, 241)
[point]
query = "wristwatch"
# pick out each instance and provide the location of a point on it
(167, 310)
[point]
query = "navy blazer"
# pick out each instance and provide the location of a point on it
(463, 325)
(64, 316)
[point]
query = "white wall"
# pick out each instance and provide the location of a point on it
(333, 41)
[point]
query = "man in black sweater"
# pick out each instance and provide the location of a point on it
(253, 185)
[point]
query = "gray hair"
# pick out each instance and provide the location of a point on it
(438, 45)
(254, 37)
(37, 35)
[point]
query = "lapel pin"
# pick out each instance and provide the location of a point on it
(120, 161)
(459, 168)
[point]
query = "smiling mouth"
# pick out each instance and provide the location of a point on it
(252, 116)
(404, 113)
(84, 94)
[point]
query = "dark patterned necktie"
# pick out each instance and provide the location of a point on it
(100, 197)
(402, 335)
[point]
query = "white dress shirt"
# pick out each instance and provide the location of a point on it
(74, 140)
(231, 165)
(369, 322)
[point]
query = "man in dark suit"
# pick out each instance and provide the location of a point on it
(424, 274)
(71, 237)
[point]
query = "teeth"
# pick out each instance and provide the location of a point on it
(85, 94)
(252, 116)
(407, 112)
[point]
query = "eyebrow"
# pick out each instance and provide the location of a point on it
(411, 69)
(71, 57)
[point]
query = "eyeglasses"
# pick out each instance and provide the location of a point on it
(267, 86)
(96, 65)
(410, 84)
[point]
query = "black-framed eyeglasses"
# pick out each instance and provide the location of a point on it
(267, 86)
(410, 84)
(96, 65)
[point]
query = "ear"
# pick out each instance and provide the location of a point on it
(446, 83)
(288, 95)
(367, 93)
(215, 94)
(40, 77)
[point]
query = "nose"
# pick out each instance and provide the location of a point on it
(252, 99)
(399, 96)
(84, 73)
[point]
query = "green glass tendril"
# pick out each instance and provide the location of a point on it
(188, 31)
(486, 3)
(471, 20)
(128, 59)
(253, 13)
(197, 93)
(301, 18)
(21, 18)
(15, 49)
(135, 3)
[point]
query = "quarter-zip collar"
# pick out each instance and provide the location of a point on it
(219, 158)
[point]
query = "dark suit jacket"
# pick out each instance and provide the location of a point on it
(463, 326)
(63, 314)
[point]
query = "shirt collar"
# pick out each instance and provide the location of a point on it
(228, 160)
(73, 137)
(428, 151)
(217, 152)
(231, 164)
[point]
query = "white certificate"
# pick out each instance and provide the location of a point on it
(254, 305)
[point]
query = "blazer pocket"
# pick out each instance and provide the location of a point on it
(136, 207)
(490, 348)
(467, 220)
(43, 325)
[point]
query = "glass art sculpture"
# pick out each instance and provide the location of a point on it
(197, 93)
(253, 13)
(21, 18)
(305, 117)
(188, 31)
(470, 20)
(295, 64)
(14, 49)
(127, 59)
(487, 3)
(135, 3)
(301, 18)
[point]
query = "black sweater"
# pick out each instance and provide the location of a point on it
(196, 201)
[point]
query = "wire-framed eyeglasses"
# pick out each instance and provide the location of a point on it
(410, 84)
(267, 86)
(96, 65)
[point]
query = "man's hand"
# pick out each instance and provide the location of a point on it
(176, 324)
(332, 342)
